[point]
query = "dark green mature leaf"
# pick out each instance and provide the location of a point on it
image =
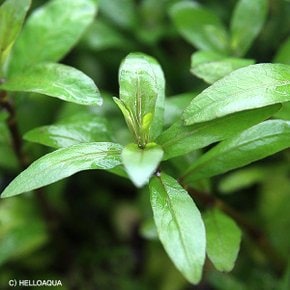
(180, 139)
(283, 54)
(251, 87)
(142, 96)
(139, 163)
(255, 143)
(51, 31)
(248, 20)
(63, 163)
(199, 26)
(179, 225)
(56, 80)
(223, 239)
(84, 128)
(211, 66)
(12, 15)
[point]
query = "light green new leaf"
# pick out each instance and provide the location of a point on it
(180, 139)
(223, 239)
(248, 20)
(179, 225)
(255, 143)
(283, 54)
(55, 80)
(255, 86)
(12, 15)
(199, 26)
(211, 66)
(63, 163)
(84, 128)
(142, 96)
(51, 31)
(139, 163)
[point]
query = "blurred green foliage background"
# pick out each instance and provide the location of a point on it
(95, 230)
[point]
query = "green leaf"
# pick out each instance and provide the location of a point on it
(142, 88)
(211, 66)
(22, 228)
(199, 26)
(83, 128)
(255, 143)
(63, 163)
(179, 225)
(247, 22)
(247, 88)
(180, 139)
(12, 15)
(55, 80)
(223, 239)
(241, 179)
(139, 163)
(51, 31)
(283, 54)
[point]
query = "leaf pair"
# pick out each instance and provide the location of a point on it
(183, 234)
(142, 87)
(203, 29)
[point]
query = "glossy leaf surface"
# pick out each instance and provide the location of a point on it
(139, 163)
(84, 128)
(248, 20)
(180, 139)
(223, 239)
(56, 80)
(179, 225)
(211, 66)
(255, 143)
(57, 20)
(251, 87)
(142, 94)
(63, 163)
(12, 15)
(199, 26)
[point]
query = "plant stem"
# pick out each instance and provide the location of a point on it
(252, 230)
(16, 139)
(49, 213)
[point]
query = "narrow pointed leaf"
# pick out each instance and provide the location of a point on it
(199, 26)
(248, 20)
(85, 128)
(179, 225)
(57, 20)
(12, 15)
(63, 163)
(180, 139)
(247, 88)
(223, 239)
(56, 80)
(142, 88)
(139, 163)
(211, 66)
(255, 143)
